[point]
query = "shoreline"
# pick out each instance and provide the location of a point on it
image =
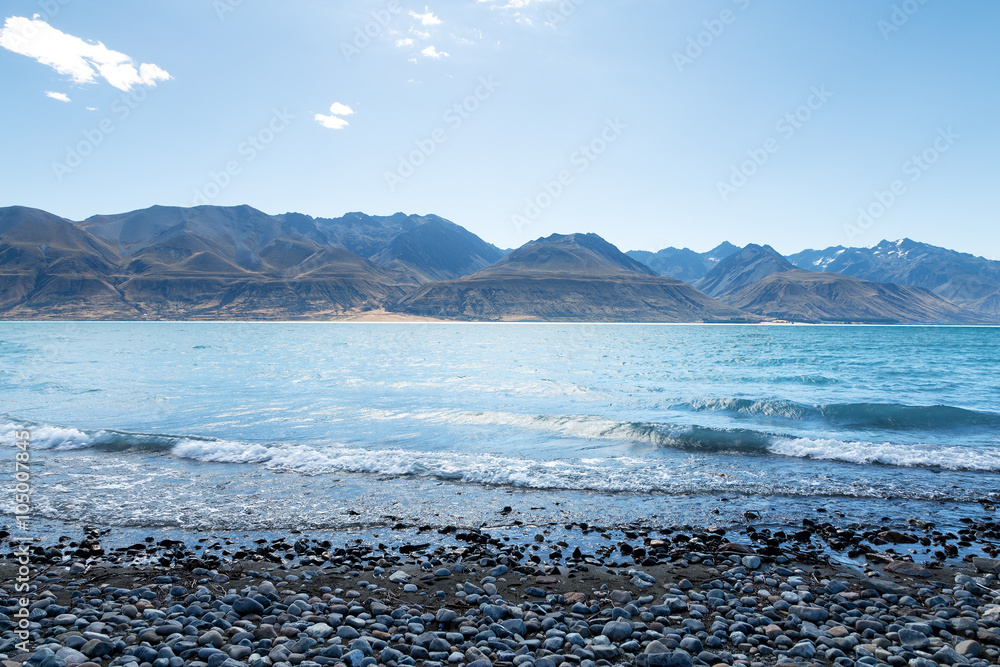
(587, 596)
(389, 317)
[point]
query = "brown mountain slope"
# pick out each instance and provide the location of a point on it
(572, 277)
(175, 263)
(808, 296)
(51, 269)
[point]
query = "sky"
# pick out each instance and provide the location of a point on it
(652, 123)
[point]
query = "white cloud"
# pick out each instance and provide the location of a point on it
(404, 42)
(91, 108)
(71, 56)
(339, 109)
(334, 121)
(62, 97)
(432, 52)
(426, 18)
(420, 33)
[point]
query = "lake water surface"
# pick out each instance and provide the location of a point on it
(261, 426)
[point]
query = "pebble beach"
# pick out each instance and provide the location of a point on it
(552, 596)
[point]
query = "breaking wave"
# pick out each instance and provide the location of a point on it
(888, 416)
(609, 473)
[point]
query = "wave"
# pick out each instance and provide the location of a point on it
(676, 436)
(889, 454)
(620, 473)
(886, 416)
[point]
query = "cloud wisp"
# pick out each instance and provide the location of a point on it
(427, 18)
(335, 120)
(62, 97)
(432, 52)
(82, 61)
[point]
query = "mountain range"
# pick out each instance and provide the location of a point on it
(970, 281)
(213, 262)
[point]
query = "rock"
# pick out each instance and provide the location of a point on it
(988, 636)
(836, 586)
(168, 629)
(674, 659)
(97, 648)
(992, 614)
(601, 652)
(811, 614)
(730, 547)
(897, 537)
(363, 646)
(988, 565)
(247, 607)
(804, 649)
(445, 616)
(494, 612)
(319, 631)
(907, 569)
(692, 644)
(399, 577)
(913, 639)
(71, 656)
(656, 646)
(948, 656)
(553, 644)
(353, 658)
(211, 638)
(515, 625)
(968, 648)
(884, 587)
(621, 597)
(751, 562)
(617, 631)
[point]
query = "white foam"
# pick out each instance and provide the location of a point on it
(45, 436)
(887, 453)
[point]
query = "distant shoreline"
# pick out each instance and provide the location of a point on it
(405, 318)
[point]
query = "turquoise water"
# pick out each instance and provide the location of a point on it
(254, 426)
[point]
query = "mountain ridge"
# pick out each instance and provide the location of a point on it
(236, 262)
(964, 278)
(569, 277)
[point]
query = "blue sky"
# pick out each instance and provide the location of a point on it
(799, 124)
